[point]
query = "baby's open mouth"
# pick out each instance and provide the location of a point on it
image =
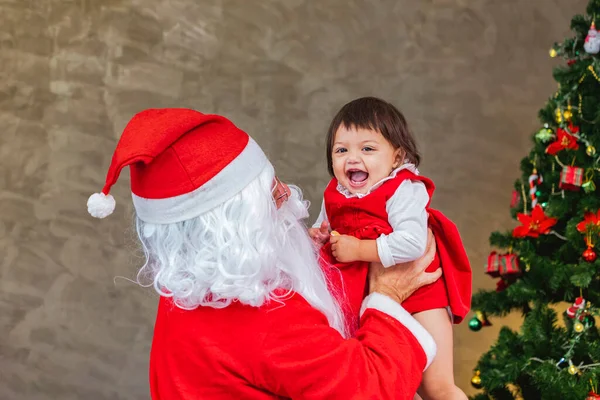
(357, 177)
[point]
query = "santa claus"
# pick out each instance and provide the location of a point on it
(245, 311)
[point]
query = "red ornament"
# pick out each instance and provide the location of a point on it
(571, 62)
(501, 285)
(589, 255)
(504, 282)
(535, 224)
(515, 199)
(564, 140)
(592, 396)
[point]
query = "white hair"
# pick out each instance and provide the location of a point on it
(243, 250)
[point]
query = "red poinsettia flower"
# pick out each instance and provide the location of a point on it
(573, 130)
(590, 222)
(534, 224)
(564, 140)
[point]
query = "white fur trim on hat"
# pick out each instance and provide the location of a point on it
(100, 205)
(223, 186)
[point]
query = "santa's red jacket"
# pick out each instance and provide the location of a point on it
(286, 351)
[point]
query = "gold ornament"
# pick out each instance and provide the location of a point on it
(573, 369)
(476, 380)
(590, 150)
(515, 391)
(558, 116)
(593, 71)
(553, 52)
(578, 327)
(568, 115)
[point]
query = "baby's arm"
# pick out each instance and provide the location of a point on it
(408, 217)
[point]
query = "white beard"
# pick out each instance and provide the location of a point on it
(242, 251)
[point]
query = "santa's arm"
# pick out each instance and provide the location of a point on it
(304, 358)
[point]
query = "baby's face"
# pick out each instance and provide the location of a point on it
(362, 157)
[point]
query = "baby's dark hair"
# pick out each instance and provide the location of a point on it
(378, 115)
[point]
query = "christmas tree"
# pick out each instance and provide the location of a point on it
(551, 256)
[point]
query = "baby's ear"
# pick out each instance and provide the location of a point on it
(398, 158)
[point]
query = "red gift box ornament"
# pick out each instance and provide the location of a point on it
(571, 178)
(493, 265)
(502, 264)
(509, 265)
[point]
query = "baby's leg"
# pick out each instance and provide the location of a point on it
(438, 379)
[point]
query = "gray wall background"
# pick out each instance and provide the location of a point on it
(469, 75)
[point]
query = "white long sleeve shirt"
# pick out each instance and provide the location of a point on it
(406, 215)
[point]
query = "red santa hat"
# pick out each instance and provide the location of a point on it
(182, 164)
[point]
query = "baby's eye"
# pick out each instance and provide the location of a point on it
(340, 150)
(367, 148)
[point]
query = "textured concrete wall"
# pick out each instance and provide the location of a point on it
(469, 75)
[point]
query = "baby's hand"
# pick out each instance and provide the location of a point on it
(320, 236)
(345, 248)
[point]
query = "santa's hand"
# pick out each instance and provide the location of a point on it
(320, 236)
(344, 248)
(400, 281)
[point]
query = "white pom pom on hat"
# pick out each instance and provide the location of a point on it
(100, 205)
(182, 163)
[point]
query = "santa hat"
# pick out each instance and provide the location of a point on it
(182, 164)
